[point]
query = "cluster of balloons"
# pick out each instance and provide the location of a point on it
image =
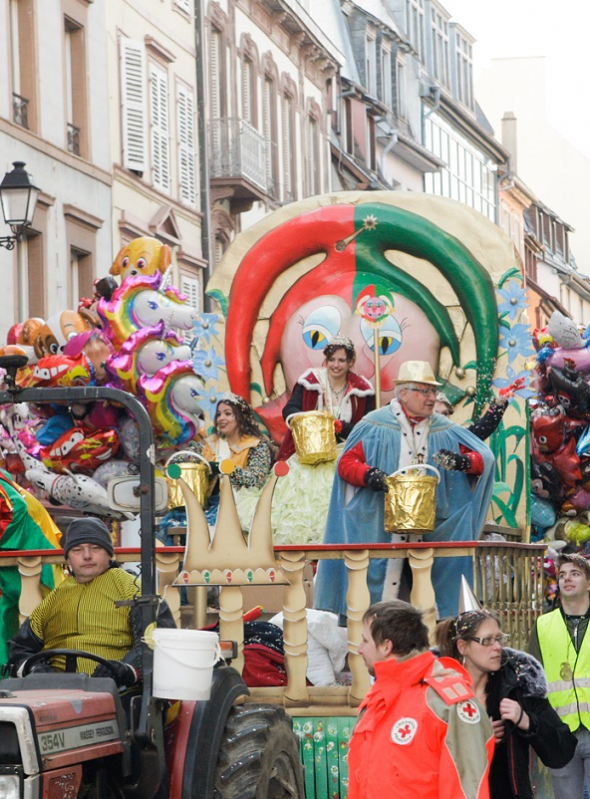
(127, 336)
(560, 433)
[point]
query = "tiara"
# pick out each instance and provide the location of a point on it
(341, 341)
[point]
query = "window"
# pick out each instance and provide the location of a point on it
(81, 229)
(269, 112)
(385, 93)
(313, 157)
(191, 286)
(415, 25)
(440, 46)
(468, 176)
(76, 90)
(183, 5)
(463, 69)
(30, 261)
(23, 52)
(348, 128)
(133, 115)
(370, 65)
(216, 95)
(186, 146)
(289, 147)
(370, 144)
(400, 71)
(159, 123)
(247, 99)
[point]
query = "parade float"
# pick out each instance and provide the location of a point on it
(405, 276)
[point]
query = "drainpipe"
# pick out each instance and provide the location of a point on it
(203, 146)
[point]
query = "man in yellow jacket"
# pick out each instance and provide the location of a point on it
(560, 642)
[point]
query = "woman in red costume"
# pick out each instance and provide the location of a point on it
(301, 499)
(335, 388)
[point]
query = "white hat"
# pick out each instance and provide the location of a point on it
(416, 372)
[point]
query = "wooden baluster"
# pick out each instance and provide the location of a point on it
(295, 628)
(231, 621)
(422, 596)
(167, 566)
(358, 600)
(30, 578)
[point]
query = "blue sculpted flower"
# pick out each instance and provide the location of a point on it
(206, 363)
(204, 328)
(517, 341)
(515, 299)
(503, 382)
(208, 401)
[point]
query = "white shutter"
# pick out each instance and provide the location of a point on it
(247, 91)
(160, 128)
(133, 114)
(191, 286)
(186, 146)
(185, 5)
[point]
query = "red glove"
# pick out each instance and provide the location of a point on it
(509, 391)
(337, 426)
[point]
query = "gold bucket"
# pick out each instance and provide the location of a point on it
(410, 503)
(314, 436)
(195, 472)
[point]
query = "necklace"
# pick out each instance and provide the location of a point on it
(337, 393)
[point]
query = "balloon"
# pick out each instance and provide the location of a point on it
(577, 532)
(564, 331)
(79, 491)
(57, 331)
(570, 389)
(142, 256)
(60, 370)
(542, 512)
(548, 428)
(80, 449)
(129, 438)
(545, 481)
(583, 445)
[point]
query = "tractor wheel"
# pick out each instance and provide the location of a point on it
(259, 756)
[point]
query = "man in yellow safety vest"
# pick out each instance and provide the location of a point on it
(560, 642)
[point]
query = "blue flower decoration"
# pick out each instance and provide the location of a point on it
(206, 363)
(515, 299)
(503, 382)
(516, 341)
(208, 401)
(204, 328)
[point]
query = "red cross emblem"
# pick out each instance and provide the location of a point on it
(468, 711)
(403, 731)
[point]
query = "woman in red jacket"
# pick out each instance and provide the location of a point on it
(300, 503)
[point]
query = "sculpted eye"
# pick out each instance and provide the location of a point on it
(320, 326)
(140, 263)
(125, 262)
(390, 335)
(153, 305)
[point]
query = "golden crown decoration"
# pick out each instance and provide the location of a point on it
(229, 558)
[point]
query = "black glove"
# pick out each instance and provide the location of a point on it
(452, 461)
(375, 480)
(122, 673)
(214, 466)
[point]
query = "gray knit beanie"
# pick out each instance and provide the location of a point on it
(88, 531)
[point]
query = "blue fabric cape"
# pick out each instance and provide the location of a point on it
(461, 508)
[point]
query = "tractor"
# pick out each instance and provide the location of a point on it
(68, 735)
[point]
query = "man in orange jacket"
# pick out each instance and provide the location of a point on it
(420, 730)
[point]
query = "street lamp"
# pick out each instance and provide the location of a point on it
(18, 197)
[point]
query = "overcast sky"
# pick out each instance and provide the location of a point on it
(557, 30)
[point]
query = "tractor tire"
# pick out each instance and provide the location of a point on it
(259, 756)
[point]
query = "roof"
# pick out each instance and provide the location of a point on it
(329, 17)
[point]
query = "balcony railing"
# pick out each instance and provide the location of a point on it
(20, 110)
(237, 150)
(508, 578)
(73, 139)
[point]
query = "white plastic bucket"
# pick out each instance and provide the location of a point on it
(183, 663)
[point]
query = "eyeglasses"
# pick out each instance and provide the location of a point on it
(427, 392)
(490, 640)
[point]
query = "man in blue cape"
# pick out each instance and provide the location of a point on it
(404, 433)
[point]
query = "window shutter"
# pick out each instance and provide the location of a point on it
(133, 114)
(247, 91)
(214, 71)
(191, 286)
(160, 128)
(186, 147)
(185, 5)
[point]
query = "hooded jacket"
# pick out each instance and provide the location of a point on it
(522, 678)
